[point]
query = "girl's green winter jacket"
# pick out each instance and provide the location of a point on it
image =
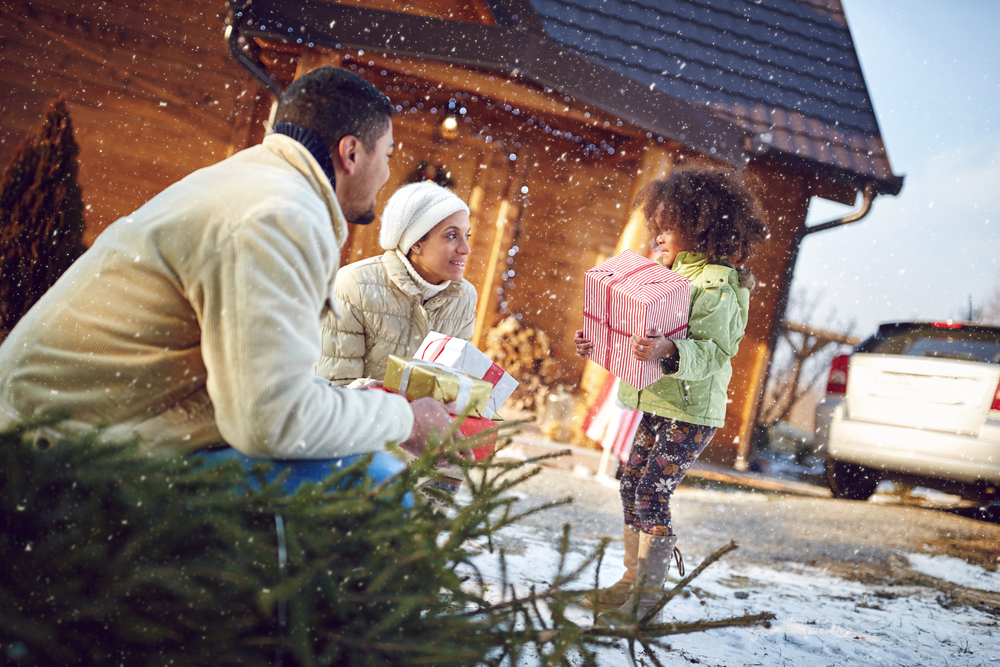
(696, 392)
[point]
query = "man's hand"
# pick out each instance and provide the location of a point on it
(653, 346)
(428, 416)
(583, 346)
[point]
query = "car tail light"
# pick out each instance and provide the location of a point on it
(836, 383)
(996, 400)
(947, 324)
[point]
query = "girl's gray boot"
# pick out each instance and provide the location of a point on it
(653, 563)
(616, 594)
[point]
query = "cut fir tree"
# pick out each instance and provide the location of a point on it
(115, 558)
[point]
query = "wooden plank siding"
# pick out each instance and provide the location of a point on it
(152, 92)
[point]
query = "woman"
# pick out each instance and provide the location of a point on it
(389, 303)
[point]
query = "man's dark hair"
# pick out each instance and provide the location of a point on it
(334, 102)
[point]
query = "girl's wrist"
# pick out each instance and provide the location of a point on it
(668, 349)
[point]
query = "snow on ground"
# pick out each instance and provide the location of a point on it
(821, 620)
(956, 571)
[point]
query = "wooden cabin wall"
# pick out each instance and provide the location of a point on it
(574, 210)
(152, 91)
(783, 193)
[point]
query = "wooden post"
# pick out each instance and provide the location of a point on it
(487, 297)
(751, 406)
(312, 58)
(252, 108)
(656, 164)
(509, 211)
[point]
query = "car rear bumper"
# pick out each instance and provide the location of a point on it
(821, 424)
(931, 454)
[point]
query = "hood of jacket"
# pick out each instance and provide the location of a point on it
(400, 277)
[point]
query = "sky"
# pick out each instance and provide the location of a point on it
(933, 74)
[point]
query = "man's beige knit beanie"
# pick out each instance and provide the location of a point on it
(414, 210)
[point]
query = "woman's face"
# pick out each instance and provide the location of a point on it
(444, 250)
(670, 241)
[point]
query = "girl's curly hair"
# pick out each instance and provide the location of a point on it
(710, 208)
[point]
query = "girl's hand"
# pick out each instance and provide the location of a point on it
(653, 346)
(583, 346)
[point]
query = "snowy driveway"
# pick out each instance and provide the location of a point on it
(851, 583)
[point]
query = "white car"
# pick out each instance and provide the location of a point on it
(918, 402)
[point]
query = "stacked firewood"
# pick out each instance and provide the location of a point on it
(524, 352)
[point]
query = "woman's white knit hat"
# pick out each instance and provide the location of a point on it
(414, 210)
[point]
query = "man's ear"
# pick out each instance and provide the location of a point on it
(347, 153)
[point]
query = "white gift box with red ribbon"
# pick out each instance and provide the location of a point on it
(463, 355)
(625, 296)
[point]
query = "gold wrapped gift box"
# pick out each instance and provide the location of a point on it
(415, 378)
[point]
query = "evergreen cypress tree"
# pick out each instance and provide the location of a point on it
(41, 214)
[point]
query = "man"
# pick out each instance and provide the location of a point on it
(195, 321)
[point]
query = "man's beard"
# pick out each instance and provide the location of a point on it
(365, 218)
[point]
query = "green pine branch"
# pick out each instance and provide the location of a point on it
(111, 557)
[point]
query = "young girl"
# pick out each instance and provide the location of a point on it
(703, 221)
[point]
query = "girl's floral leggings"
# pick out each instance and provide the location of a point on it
(662, 452)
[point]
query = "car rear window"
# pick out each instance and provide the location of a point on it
(980, 344)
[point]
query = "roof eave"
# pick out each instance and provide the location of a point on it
(882, 186)
(514, 51)
(516, 14)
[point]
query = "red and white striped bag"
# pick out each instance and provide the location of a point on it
(626, 295)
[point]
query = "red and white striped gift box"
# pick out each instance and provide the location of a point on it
(626, 295)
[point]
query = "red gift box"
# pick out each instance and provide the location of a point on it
(625, 296)
(471, 427)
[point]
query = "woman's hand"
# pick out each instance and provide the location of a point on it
(583, 346)
(653, 346)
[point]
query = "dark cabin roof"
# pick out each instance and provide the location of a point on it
(786, 70)
(779, 76)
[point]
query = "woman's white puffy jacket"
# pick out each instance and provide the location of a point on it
(383, 314)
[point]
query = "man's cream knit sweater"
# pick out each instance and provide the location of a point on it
(196, 321)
